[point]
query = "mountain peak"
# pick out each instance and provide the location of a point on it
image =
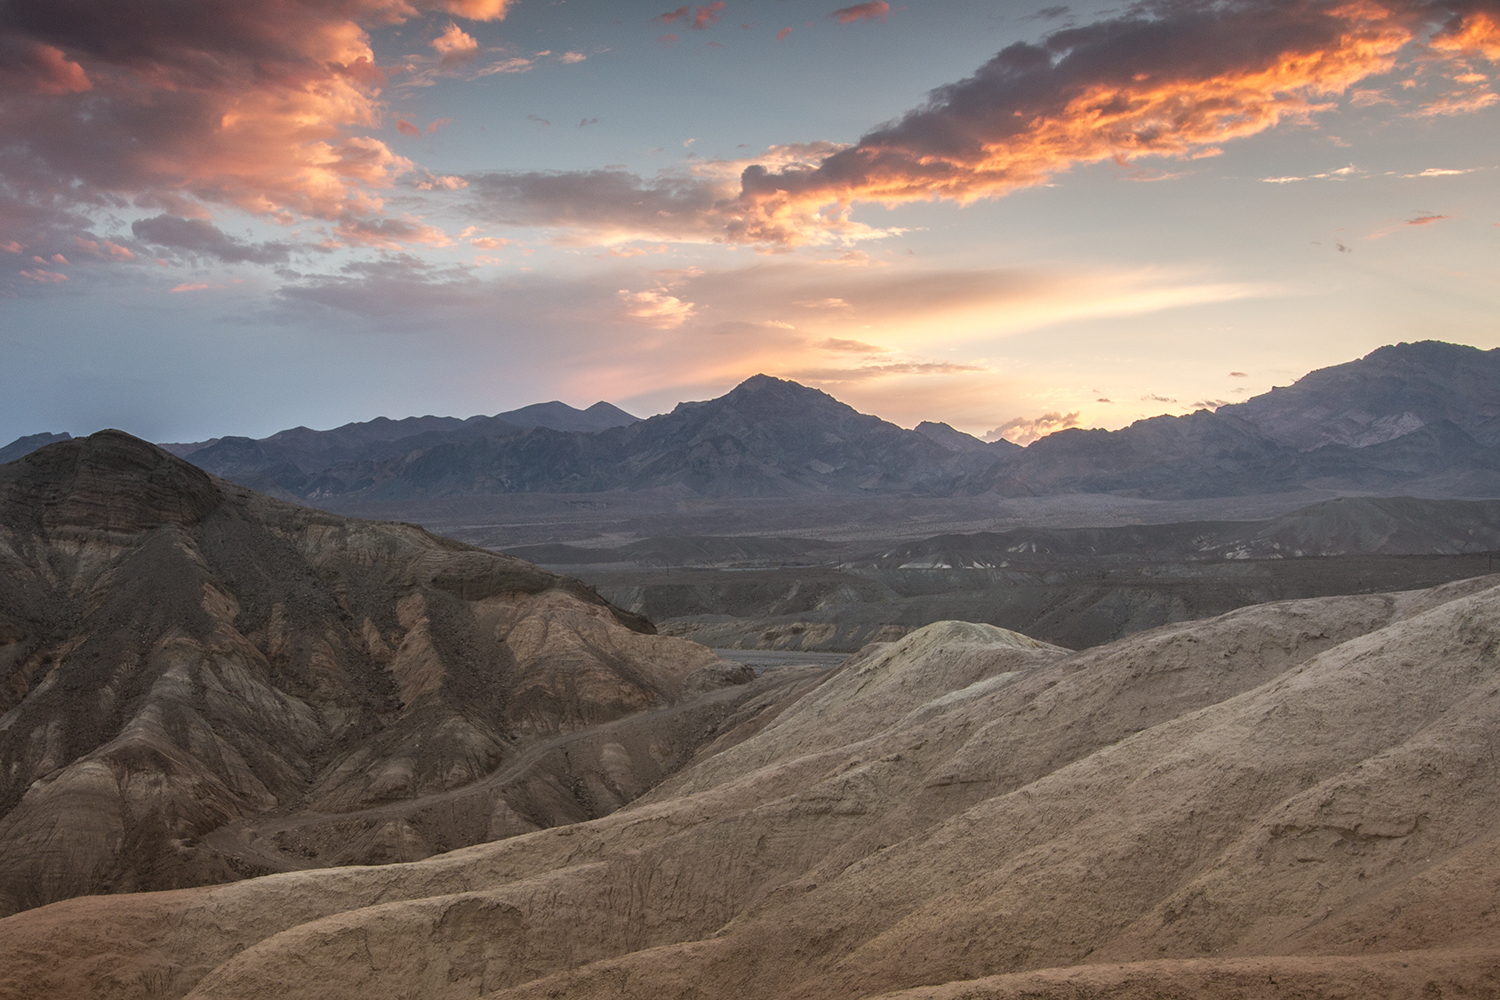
(109, 480)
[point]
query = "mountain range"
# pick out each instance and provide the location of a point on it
(1419, 418)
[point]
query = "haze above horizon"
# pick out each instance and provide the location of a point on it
(1004, 217)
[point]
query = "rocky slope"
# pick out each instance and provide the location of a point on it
(1385, 395)
(1290, 800)
(199, 683)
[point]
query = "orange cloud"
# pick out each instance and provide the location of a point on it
(781, 35)
(45, 277)
(407, 128)
(438, 123)
(238, 105)
(876, 10)
(1475, 34)
(1169, 86)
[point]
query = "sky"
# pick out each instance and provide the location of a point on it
(236, 216)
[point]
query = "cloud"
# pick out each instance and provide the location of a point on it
(866, 372)
(44, 277)
(231, 106)
(438, 123)
(875, 10)
(1171, 81)
(491, 243)
(538, 120)
(407, 128)
(1425, 220)
(706, 17)
(1239, 375)
(699, 19)
(850, 346)
(1441, 172)
(569, 58)
(781, 35)
(1023, 430)
(107, 250)
(455, 48)
(203, 239)
(389, 234)
(1337, 175)
(585, 122)
(669, 39)
(513, 64)
(1152, 397)
(185, 287)
(656, 308)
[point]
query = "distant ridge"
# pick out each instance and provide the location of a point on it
(26, 445)
(1420, 418)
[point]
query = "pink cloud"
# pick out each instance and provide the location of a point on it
(875, 10)
(438, 123)
(390, 234)
(669, 39)
(12, 247)
(56, 73)
(706, 17)
(108, 250)
(185, 287)
(45, 277)
(1426, 220)
(699, 18)
(407, 128)
(491, 243)
(455, 47)
(781, 35)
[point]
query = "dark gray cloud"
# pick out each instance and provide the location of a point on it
(195, 236)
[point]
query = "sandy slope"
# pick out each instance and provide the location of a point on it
(1293, 800)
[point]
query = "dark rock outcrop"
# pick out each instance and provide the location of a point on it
(181, 658)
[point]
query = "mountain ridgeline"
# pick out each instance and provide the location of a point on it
(1420, 418)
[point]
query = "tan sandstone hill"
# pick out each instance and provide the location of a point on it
(1291, 800)
(199, 683)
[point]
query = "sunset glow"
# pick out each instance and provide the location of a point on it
(229, 218)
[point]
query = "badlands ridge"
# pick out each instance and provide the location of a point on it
(1290, 800)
